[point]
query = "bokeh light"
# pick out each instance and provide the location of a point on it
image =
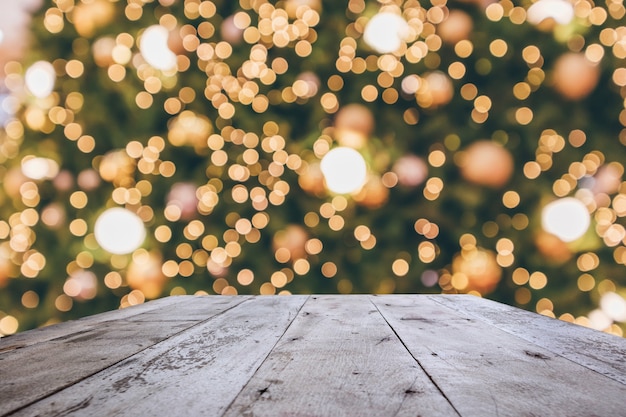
(119, 231)
(301, 146)
(40, 78)
(560, 11)
(385, 32)
(344, 170)
(154, 48)
(566, 218)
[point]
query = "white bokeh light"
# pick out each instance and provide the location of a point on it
(561, 11)
(40, 78)
(599, 320)
(154, 49)
(37, 168)
(344, 170)
(566, 218)
(119, 231)
(385, 32)
(614, 306)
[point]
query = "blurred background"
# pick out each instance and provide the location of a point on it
(152, 148)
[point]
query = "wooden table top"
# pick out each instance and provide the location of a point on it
(319, 355)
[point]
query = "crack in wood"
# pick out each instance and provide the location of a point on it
(435, 384)
(537, 355)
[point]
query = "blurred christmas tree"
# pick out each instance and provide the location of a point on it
(169, 147)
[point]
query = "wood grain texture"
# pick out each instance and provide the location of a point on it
(197, 372)
(340, 358)
(485, 371)
(602, 352)
(41, 369)
(55, 331)
(326, 355)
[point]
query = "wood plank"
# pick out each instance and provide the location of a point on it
(42, 369)
(44, 334)
(602, 352)
(485, 371)
(196, 372)
(340, 358)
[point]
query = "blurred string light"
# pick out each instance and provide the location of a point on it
(38, 168)
(614, 306)
(385, 32)
(344, 170)
(154, 48)
(255, 148)
(560, 11)
(566, 218)
(119, 231)
(40, 79)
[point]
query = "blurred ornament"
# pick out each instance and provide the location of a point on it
(354, 124)
(153, 46)
(293, 238)
(145, 274)
(102, 50)
(545, 14)
(435, 90)
(37, 168)
(566, 218)
(230, 32)
(53, 215)
(119, 231)
(81, 285)
(411, 170)
(456, 27)
(183, 195)
(175, 42)
(90, 16)
(385, 32)
(429, 278)
(373, 194)
(479, 270)
(355, 117)
(13, 181)
(608, 179)
(344, 170)
(189, 128)
(40, 79)
(486, 163)
(64, 181)
(574, 76)
(89, 179)
(116, 166)
(311, 179)
(552, 247)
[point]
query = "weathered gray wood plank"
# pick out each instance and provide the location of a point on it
(197, 372)
(485, 371)
(39, 370)
(604, 353)
(44, 334)
(340, 358)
